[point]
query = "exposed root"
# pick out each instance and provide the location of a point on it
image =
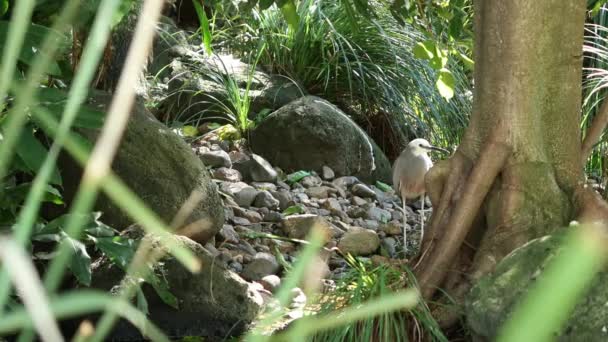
(433, 269)
(595, 131)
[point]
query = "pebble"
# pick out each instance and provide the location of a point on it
(359, 241)
(228, 234)
(261, 265)
(226, 174)
(261, 170)
(310, 181)
(216, 158)
(327, 173)
(392, 228)
(362, 190)
(264, 199)
(270, 282)
(298, 226)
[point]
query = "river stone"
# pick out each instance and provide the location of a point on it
(243, 193)
(491, 301)
(310, 133)
(263, 264)
(359, 241)
(226, 174)
(327, 173)
(265, 200)
(217, 158)
(159, 167)
(261, 170)
(362, 190)
(298, 226)
(213, 303)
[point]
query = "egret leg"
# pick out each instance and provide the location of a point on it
(422, 198)
(404, 227)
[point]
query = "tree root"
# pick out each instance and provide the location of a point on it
(433, 268)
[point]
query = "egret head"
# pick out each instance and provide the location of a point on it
(421, 146)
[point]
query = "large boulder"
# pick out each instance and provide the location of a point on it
(310, 133)
(214, 303)
(494, 297)
(160, 168)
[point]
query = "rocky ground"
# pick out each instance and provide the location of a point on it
(259, 199)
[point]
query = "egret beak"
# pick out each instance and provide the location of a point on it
(439, 149)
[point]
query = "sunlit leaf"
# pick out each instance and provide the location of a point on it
(445, 83)
(290, 13)
(297, 176)
(118, 249)
(161, 287)
(294, 209)
(204, 25)
(189, 131)
(425, 50)
(383, 186)
(3, 7)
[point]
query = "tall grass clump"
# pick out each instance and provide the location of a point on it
(366, 66)
(365, 282)
(594, 83)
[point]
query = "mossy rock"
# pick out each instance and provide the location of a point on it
(159, 167)
(310, 132)
(494, 297)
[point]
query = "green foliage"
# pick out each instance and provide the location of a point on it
(362, 283)
(297, 176)
(365, 65)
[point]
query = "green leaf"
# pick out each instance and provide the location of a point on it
(445, 83)
(3, 7)
(32, 43)
(204, 23)
(81, 261)
(383, 186)
(290, 13)
(161, 287)
(33, 153)
(54, 100)
(294, 209)
(142, 303)
(189, 131)
(119, 250)
(424, 50)
(468, 63)
(297, 176)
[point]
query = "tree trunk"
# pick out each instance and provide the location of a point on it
(517, 174)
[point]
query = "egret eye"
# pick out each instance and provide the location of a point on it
(420, 145)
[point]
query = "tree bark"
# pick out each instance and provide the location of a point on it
(517, 172)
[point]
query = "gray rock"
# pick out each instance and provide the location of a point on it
(251, 215)
(370, 224)
(271, 282)
(236, 266)
(377, 214)
(228, 234)
(273, 216)
(213, 298)
(261, 170)
(263, 264)
(362, 190)
(356, 200)
(218, 158)
(226, 174)
(358, 241)
(243, 194)
(298, 226)
(310, 181)
(241, 221)
(285, 198)
(392, 228)
(319, 191)
(332, 205)
(264, 186)
(310, 133)
(345, 181)
(327, 173)
(491, 302)
(356, 212)
(173, 172)
(390, 245)
(266, 200)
